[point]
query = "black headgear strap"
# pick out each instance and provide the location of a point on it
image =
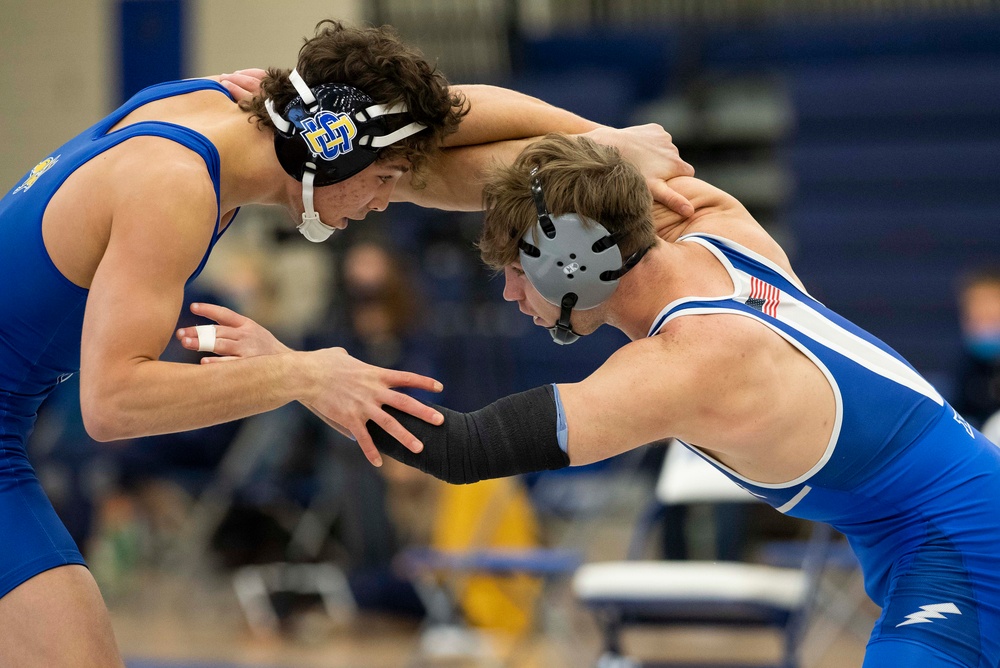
(562, 332)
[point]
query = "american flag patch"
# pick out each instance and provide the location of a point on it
(764, 297)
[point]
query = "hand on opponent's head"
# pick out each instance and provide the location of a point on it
(243, 84)
(652, 150)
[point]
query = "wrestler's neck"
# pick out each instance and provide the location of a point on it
(667, 273)
(251, 173)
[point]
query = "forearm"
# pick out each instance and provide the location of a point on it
(453, 179)
(155, 397)
(500, 124)
(499, 114)
(511, 436)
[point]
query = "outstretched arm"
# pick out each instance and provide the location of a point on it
(618, 408)
(455, 177)
(500, 123)
(518, 433)
(500, 114)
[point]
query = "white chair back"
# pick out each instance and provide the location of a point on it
(687, 478)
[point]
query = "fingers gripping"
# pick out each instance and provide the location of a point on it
(669, 197)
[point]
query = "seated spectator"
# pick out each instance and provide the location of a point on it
(977, 386)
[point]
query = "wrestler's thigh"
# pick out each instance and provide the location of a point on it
(57, 619)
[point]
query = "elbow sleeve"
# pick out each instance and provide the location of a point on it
(513, 435)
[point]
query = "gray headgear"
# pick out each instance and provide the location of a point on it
(572, 261)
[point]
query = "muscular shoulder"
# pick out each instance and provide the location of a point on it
(164, 205)
(715, 350)
(149, 158)
(148, 171)
(718, 213)
(675, 362)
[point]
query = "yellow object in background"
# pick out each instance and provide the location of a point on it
(490, 514)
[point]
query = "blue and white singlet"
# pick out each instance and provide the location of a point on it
(912, 485)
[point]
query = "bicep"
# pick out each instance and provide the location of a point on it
(157, 240)
(638, 396)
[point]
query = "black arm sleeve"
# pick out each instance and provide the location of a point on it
(516, 434)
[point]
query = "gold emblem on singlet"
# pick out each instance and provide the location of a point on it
(36, 172)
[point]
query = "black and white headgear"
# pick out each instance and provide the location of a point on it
(328, 134)
(573, 262)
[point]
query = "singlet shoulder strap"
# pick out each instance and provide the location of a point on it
(158, 92)
(751, 262)
(191, 139)
(756, 280)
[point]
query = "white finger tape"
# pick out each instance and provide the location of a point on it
(206, 338)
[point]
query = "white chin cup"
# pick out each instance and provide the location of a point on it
(313, 229)
(206, 338)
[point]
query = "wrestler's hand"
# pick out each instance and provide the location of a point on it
(243, 84)
(236, 336)
(350, 392)
(652, 150)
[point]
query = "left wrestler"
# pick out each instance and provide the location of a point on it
(99, 239)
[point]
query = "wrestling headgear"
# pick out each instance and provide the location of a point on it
(327, 134)
(572, 261)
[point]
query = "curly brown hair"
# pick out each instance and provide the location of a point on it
(578, 176)
(375, 61)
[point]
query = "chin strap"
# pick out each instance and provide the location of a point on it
(311, 227)
(562, 332)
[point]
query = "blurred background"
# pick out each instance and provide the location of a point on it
(863, 134)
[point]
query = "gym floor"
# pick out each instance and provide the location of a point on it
(171, 622)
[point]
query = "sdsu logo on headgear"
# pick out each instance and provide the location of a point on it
(328, 134)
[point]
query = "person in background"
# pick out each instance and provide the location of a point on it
(977, 381)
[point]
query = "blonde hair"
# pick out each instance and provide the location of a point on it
(577, 176)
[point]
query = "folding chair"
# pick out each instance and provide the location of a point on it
(260, 443)
(486, 563)
(698, 593)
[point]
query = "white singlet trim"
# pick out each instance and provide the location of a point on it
(807, 321)
(838, 400)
